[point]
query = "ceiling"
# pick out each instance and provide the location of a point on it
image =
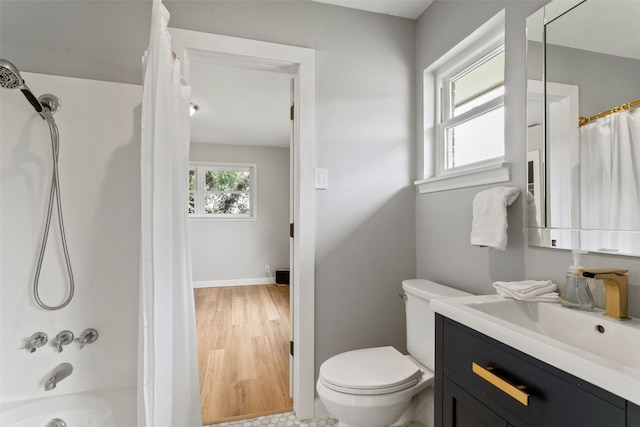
(239, 106)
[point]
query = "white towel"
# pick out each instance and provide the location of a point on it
(528, 290)
(489, 226)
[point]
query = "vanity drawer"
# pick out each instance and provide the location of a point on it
(549, 397)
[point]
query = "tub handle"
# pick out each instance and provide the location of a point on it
(34, 341)
(87, 337)
(63, 338)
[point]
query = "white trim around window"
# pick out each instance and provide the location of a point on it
(486, 42)
(201, 194)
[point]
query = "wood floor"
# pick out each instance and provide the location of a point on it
(243, 351)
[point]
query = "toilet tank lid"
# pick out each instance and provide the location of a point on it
(429, 290)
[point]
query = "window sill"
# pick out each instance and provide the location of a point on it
(486, 175)
(218, 218)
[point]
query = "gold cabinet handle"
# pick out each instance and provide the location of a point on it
(515, 391)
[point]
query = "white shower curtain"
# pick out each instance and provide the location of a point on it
(168, 388)
(610, 175)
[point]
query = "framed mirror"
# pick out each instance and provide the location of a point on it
(583, 118)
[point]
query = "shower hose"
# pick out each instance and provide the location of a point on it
(54, 193)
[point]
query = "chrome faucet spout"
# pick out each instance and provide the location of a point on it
(59, 373)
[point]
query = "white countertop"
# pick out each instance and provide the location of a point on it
(619, 378)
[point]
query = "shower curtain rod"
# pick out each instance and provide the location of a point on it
(629, 105)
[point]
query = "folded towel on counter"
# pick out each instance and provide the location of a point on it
(528, 290)
(489, 226)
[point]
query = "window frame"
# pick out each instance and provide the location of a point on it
(201, 167)
(486, 42)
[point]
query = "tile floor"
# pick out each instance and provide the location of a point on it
(279, 420)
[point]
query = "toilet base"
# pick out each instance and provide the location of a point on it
(417, 413)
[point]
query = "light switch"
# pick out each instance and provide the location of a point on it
(322, 178)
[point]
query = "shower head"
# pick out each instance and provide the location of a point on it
(9, 75)
(10, 78)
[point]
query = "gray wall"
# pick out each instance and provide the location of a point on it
(604, 80)
(370, 224)
(364, 121)
(100, 40)
(444, 219)
(443, 223)
(365, 71)
(239, 249)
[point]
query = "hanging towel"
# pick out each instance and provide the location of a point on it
(489, 226)
(528, 290)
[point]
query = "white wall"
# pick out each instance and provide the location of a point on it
(100, 186)
(232, 250)
(444, 219)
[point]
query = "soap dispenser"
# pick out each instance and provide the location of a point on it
(576, 293)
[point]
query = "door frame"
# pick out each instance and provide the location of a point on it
(299, 62)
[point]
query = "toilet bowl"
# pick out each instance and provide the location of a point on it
(381, 387)
(371, 387)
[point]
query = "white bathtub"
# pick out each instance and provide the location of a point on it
(108, 408)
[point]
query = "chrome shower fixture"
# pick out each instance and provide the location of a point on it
(36, 340)
(88, 336)
(59, 373)
(9, 75)
(63, 338)
(50, 102)
(10, 78)
(45, 105)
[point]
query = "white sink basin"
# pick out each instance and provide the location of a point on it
(598, 349)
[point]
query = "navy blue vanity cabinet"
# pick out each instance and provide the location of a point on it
(482, 382)
(462, 409)
(633, 415)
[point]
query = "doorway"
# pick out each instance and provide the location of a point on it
(299, 62)
(240, 140)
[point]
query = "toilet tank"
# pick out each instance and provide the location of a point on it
(421, 319)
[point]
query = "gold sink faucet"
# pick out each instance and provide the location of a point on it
(616, 290)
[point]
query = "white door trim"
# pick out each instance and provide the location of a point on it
(300, 62)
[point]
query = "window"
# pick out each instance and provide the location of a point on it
(222, 190)
(471, 124)
(464, 96)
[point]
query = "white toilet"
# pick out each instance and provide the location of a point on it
(381, 387)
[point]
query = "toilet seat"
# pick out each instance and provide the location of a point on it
(369, 371)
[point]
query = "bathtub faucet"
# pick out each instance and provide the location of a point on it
(59, 373)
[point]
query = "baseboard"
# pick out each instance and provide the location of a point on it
(233, 282)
